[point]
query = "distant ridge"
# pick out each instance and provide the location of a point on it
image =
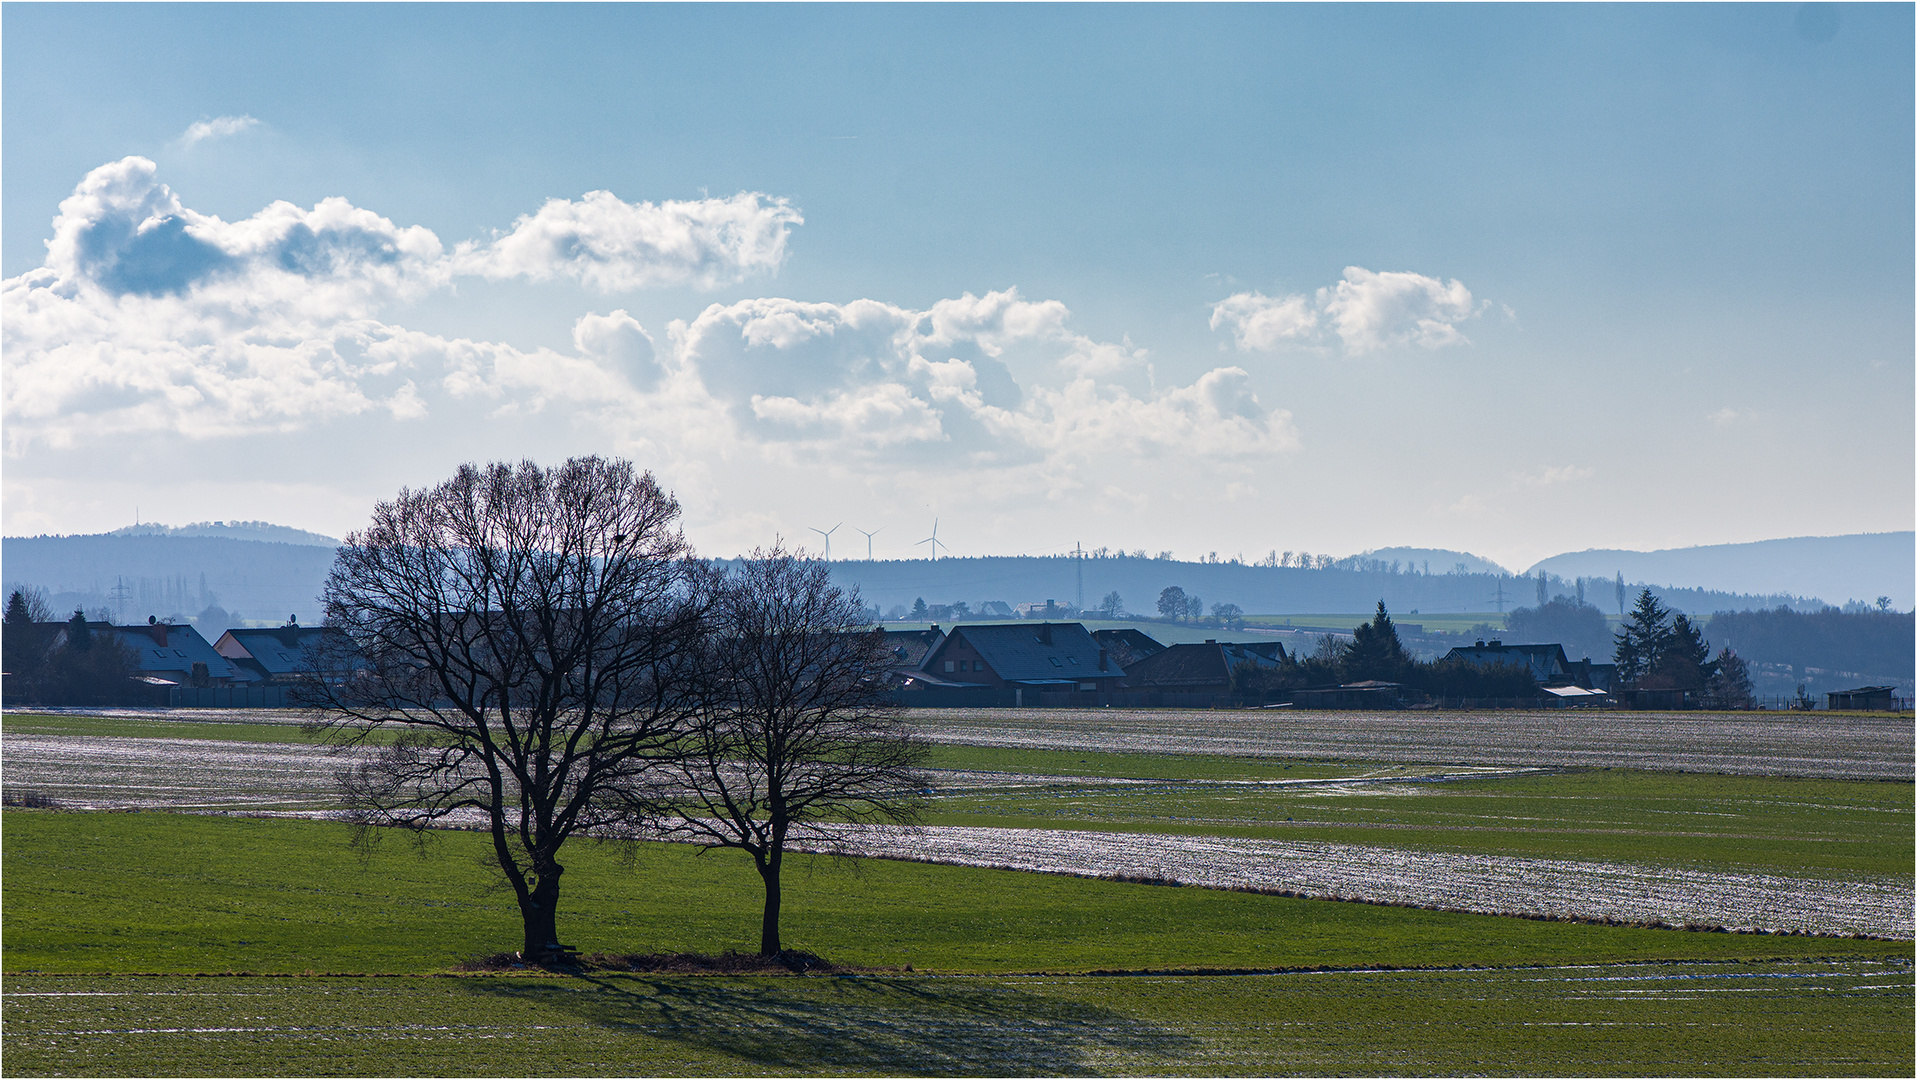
(1439, 560)
(233, 530)
(1857, 566)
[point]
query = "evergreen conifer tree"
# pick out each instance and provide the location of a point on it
(79, 634)
(1375, 651)
(1730, 684)
(1641, 641)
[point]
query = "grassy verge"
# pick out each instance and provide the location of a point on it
(1750, 1020)
(143, 892)
(285, 731)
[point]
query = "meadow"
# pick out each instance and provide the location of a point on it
(1757, 1019)
(228, 943)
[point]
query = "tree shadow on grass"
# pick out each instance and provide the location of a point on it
(897, 1025)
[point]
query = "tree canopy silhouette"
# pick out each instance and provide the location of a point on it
(529, 633)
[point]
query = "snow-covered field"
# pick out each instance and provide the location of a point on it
(1490, 884)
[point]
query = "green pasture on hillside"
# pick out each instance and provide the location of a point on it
(1844, 1018)
(171, 893)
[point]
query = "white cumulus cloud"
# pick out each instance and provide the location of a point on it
(219, 127)
(1365, 311)
(614, 246)
(150, 316)
(1261, 323)
(870, 376)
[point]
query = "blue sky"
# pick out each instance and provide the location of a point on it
(1509, 279)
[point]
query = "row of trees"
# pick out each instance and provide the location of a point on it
(84, 668)
(1661, 649)
(1375, 652)
(537, 648)
(1175, 604)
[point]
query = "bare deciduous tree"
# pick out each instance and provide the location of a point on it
(530, 632)
(799, 740)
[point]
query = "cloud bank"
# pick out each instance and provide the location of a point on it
(1365, 312)
(149, 317)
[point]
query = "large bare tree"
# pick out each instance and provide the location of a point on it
(531, 634)
(799, 739)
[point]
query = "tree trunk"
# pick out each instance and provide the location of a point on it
(539, 908)
(769, 924)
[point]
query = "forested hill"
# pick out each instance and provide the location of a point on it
(169, 575)
(1356, 585)
(134, 576)
(1861, 566)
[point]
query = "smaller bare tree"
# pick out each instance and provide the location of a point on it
(799, 739)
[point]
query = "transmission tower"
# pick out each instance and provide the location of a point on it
(1078, 557)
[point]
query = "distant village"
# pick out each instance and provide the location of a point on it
(1030, 660)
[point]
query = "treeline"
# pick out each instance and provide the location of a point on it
(128, 578)
(1375, 653)
(895, 585)
(1872, 642)
(86, 668)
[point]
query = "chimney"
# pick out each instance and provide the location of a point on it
(1211, 641)
(1102, 666)
(156, 628)
(1045, 632)
(1496, 644)
(1480, 644)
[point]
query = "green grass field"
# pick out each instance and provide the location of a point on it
(180, 894)
(152, 943)
(291, 903)
(1844, 1018)
(284, 728)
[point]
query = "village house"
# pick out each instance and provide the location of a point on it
(1560, 681)
(165, 654)
(275, 654)
(1546, 664)
(1045, 656)
(1126, 645)
(1201, 669)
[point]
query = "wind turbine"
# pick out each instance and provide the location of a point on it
(934, 541)
(827, 533)
(868, 539)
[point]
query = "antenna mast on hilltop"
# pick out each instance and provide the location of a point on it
(1078, 557)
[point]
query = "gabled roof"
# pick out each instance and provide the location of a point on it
(161, 647)
(908, 647)
(1031, 652)
(1127, 644)
(281, 650)
(1209, 664)
(1543, 661)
